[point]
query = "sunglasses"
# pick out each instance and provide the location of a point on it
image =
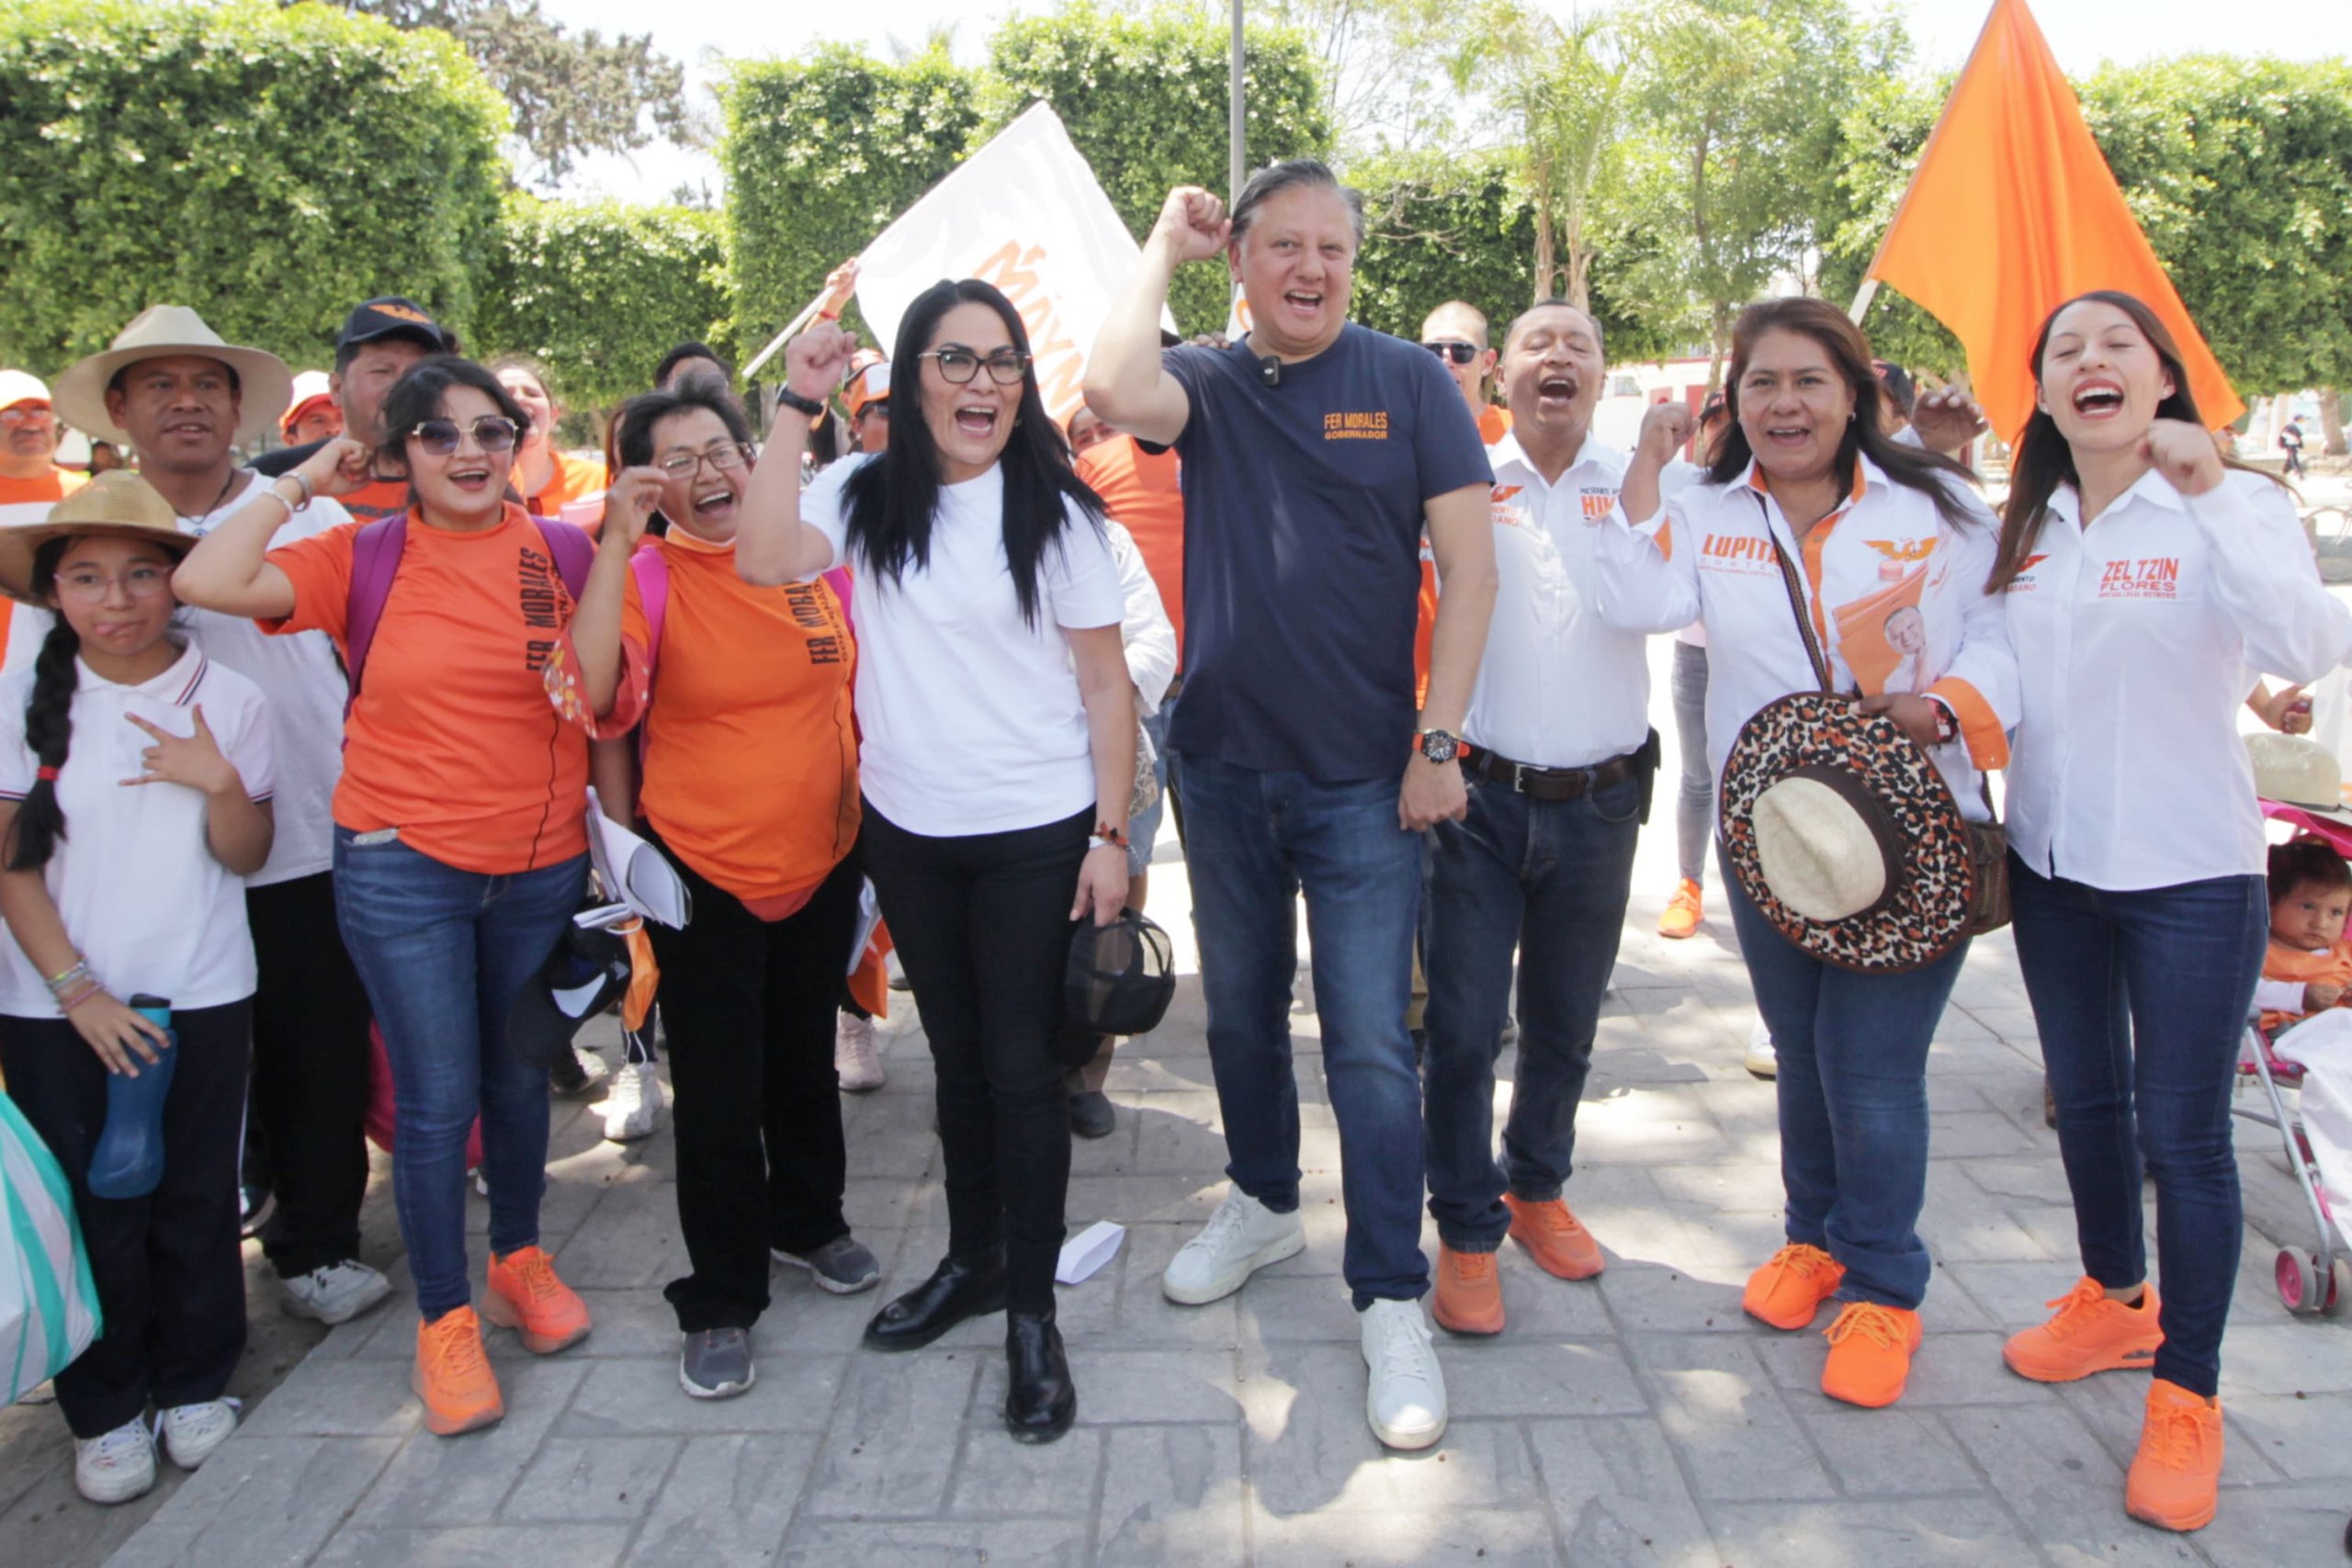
(442, 436)
(1460, 353)
(959, 366)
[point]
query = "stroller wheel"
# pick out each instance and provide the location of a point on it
(2339, 1288)
(2301, 1287)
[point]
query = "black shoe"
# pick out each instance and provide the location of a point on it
(1040, 1402)
(1090, 1115)
(957, 1289)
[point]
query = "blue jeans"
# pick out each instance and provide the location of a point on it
(2141, 999)
(1853, 1100)
(1550, 876)
(1256, 839)
(443, 954)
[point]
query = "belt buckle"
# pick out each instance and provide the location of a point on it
(1518, 771)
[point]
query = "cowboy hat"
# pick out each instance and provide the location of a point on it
(263, 382)
(117, 502)
(1844, 836)
(2296, 770)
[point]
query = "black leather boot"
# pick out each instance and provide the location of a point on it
(1040, 1400)
(959, 1288)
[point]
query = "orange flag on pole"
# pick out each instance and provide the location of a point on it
(2013, 210)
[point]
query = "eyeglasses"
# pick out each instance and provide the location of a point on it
(442, 436)
(959, 366)
(725, 459)
(140, 583)
(26, 413)
(1460, 353)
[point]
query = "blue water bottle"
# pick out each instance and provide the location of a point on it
(129, 1160)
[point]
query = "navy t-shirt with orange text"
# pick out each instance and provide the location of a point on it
(1302, 513)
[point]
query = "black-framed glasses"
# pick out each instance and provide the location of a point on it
(957, 366)
(492, 433)
(726, 458)
(1460, 353)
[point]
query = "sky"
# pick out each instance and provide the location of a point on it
(2083, 33)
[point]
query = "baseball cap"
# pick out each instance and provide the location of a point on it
(21, 387)
(586, 973)
(1121, 976)
(1896, 380)
(389, 315)
(310, 389)
(871, 385)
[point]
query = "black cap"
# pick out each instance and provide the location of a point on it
(1122, 977)
(587, 971)
(391, 316)
(1896, 380)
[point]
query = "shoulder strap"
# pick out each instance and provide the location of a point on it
(1796, 598)
(572, 550)
(652, 569)
(375, 560)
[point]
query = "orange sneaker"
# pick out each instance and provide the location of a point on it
(1869, 1354)
(525, 1295)
(1683, 912)
(453, 1375)
(1469, 1295)
(2177, 1475)
(2090, 1334)
(1555, 1238)
(1788, 1290)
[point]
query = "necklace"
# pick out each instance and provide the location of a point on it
(202, 520)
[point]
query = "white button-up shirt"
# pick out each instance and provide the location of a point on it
(1896, 595)
(2134, 637)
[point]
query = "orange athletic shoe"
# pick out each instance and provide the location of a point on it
(1869, 1354)
(1555, 1238)
(1469, 1295)
(1683, 912)
(2177, 1475)
(525, 1295)
(2090, 1334)
(453, 1375)
(1788, 1290)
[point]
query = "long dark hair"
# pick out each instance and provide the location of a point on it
(2044, 458)
(893, 501)
(1912, 468)
(48, 724)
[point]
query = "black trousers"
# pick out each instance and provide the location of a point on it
(982, 925)
(749, 1007)
(171, 1284)
(309, 1074)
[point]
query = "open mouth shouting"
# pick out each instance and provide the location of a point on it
(978, 421)
(1557, 392)
(470, 475)
(2099, 399)
(1788, 437)
(714, 502)
(1303, 304)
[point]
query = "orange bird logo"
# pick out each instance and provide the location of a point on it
(1916, 550)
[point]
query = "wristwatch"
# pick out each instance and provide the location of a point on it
(1436, 745)
(799, 404)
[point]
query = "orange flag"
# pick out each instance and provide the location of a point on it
(2012, 211)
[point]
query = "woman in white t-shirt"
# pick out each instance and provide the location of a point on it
(996, 758)
(112, 891)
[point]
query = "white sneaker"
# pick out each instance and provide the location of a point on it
(633, 1105)
(115, 1466)
(190, 1432)
(1406, 1401)
(1240, 1238)
(333, 1293)
(855, 1058)
(1759, 1058)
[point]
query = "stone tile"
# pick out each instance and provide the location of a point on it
(892, 1445)
(1901, 1452)
(917, 1543)
(587, 1480)
(1279, 1306)
(476, 1546)
(1117, 1386)
(1962, 1532)
(1173, 1497)
(998, 1478)
(2064, 1488)
(793, 1394)
(1315, 1449)
(1658, 1298)
(630, 1238)
(1971, 1134)
(1718, 1407)
(256, 1502)
(1618, 1496)
(1518, 1374)
(2301, 1524)
(727, 1501)
(2308, 1438)
(1487, 1538)
(462, 1480)
(339, 1399)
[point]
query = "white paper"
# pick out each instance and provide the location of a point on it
(635, 872)
(1084, 1254)
(869, 915)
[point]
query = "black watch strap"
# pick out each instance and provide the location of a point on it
(799, 404)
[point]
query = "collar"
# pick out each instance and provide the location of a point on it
(175, 687)
(1866, 474)
(2067, 501)
(686, 542)
(1594, 452)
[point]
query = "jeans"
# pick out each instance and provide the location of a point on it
(1853, 1101)
(749, 1004)
(982, 925)
(1550, 876)
(1694, 801)
(1259, 837)
(443, 952)
(2141, 999)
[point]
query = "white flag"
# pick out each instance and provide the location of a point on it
(1025, 212)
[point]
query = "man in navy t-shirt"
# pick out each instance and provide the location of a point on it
(1316, 453)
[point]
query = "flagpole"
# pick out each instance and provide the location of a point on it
(1233, 112)
(1862, 298)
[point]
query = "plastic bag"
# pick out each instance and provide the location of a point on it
(49, 1305)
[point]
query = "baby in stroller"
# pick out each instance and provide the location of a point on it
(2309, 966)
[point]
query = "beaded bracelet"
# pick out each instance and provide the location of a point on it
(81, 994)
(67, 979)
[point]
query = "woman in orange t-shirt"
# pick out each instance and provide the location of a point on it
(546, 479)
(750, 784)
(461, 844)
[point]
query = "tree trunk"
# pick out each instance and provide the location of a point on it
(2331, 422)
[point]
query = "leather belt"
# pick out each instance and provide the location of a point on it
(1551, 783)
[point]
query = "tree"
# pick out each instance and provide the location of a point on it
(267, 167)
(572, 94)
(1882, 135)
(1380, 66)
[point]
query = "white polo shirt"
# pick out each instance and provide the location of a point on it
(136, 884)
(1895, 594)
(2134, 637)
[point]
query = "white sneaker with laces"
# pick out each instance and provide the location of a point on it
(333, 1293)
(633, 1105)
(190, 1432)
(1760, 1058)
(1406, 1401)
(1240, 1238)
(855, 1057)
(115, 1466)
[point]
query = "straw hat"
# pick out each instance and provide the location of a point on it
(2295, 770)
(117, 502)
(159, 331)
(1844, 836)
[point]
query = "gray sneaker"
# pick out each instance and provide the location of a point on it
(843, 1265)
(716, 1363)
